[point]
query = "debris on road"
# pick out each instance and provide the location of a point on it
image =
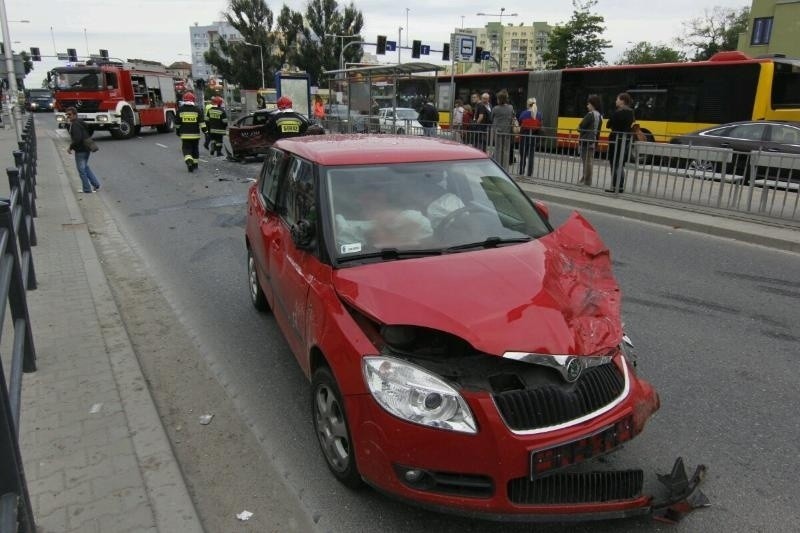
(96, 408)
(244, 516)
(206, 419)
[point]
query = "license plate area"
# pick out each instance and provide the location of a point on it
(550, 460)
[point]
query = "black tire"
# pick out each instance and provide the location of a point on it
(125, 130)
(257, 296)
(169, 124)
(332, 429)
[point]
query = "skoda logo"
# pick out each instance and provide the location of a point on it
(78, 103)
(573, 370)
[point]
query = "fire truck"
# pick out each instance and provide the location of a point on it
(120, 98)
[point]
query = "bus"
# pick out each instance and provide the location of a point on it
(669, 99)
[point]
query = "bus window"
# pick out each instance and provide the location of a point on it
(786, 85)
(649, 104)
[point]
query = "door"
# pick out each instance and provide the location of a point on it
(262, 220)
(248, 135)
(290, 266)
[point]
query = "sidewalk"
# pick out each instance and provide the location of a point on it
(96, 456)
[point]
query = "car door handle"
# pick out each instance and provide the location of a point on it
(725, 145)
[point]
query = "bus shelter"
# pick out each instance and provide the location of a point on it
(357, 94)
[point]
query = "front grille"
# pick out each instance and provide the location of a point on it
(587, 487)
(550, 405)
(83, 106)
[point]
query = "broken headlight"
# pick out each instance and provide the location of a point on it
(414, 394)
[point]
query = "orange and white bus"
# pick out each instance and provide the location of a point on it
(669, 98)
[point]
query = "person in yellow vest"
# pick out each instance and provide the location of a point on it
(217, 124)
(188, 125)
(206, 108)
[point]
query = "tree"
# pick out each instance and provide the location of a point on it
(577, 43)
(646, 53)
(716, 31)
(238, 62)
(305, 44)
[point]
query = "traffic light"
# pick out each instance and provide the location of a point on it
(35, 54)
(415, 49)
(381, 48)
(446, 52)
(478, 54)
(72, 55)
(104, 53)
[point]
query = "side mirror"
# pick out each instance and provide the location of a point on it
(303, 234)
(542, 209)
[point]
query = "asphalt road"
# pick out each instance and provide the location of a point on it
(713, 320)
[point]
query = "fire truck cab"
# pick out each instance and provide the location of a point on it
(116, 97)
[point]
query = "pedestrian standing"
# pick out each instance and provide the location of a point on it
(589, 131)
(217, 125)
(319, 110)
(466, 124)
(483, 119)
(503, 116)
(620, 123)
(428, 118)
(530, 123)
(457, 120)
(80, 143)
(189, 124)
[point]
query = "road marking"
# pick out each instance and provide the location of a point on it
(162, 145)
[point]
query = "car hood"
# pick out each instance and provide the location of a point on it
(554, 295)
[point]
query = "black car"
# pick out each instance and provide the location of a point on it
(39, 100)
(769, 136)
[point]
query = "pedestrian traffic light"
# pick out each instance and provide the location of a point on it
(478, 54)
(416, 46)
(35, 54)
(381, 48)
(104, 53)
(72, 55)
(446, 52)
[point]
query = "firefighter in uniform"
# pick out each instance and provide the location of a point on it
(206, 108)
(188, 125)
(217, 125)
(287, 122)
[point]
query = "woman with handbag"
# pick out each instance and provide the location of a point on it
(82, 144)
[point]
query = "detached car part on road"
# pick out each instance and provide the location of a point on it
(463, 355)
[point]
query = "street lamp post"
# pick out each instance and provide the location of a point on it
(501, 15)
(261, 54)
(341, 46)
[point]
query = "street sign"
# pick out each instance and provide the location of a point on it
(62, 56)
(425, 50)
(463, 46)
(391, 46)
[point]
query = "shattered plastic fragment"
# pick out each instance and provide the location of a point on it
(244, 516)
(96, 408)
(206, 419)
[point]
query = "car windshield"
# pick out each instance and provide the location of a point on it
(407, 114)
(39, 93)
(405, 210)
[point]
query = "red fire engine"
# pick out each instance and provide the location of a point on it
(120, 98)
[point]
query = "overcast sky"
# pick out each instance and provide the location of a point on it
(159, 29)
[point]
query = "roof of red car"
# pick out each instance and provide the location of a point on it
(332, 150)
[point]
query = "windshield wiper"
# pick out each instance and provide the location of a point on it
(392, 253)
(490, 242)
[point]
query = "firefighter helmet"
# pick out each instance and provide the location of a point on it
(188, 96)
(284, 102)
(217, 100)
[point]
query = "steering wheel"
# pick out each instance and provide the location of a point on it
(451, 218)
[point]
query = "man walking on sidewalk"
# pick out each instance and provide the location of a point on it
(80, 143)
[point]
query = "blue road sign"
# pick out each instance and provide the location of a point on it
(391, 46)
(425, 50)
(486, 55)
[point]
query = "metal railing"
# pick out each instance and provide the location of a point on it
(17, 235)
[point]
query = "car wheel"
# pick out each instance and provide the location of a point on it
(257, 296)
(699, 166)
(169, 124)
(333, 432)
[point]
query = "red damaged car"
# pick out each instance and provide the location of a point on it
(463, 354)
